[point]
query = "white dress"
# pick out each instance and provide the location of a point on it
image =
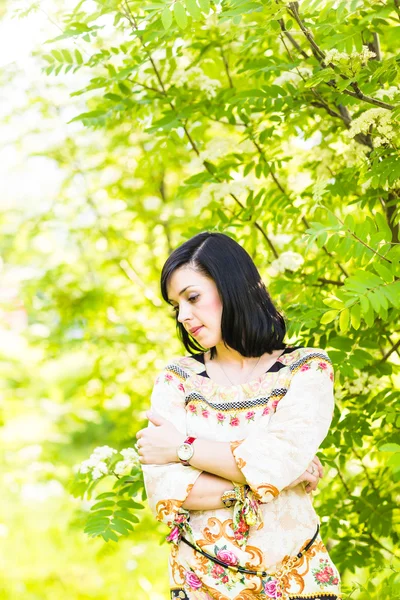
(275, 425)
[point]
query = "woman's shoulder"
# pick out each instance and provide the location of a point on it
(307, 358)
(182, 367)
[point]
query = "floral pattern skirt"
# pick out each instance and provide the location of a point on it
(194, 577)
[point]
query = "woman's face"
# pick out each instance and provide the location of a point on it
(197, 299)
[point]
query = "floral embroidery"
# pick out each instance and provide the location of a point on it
(271, 588)
(266, 411)
(169, 377)
(205, 413)
(220, 418)
(227, 556)
(224, 576)
(325, 575)
(181, 387)
(274, 404)
(192, 408)
(250, 415)
(234, 421)
(192, 580)
(305, 367)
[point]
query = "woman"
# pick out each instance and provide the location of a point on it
(232, 435)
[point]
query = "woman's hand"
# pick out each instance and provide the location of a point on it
(157, 445)
(312, 475)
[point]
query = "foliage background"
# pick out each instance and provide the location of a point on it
(129, 128)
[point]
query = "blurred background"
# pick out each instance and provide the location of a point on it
(126, 128)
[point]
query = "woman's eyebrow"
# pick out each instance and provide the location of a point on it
(184, 290)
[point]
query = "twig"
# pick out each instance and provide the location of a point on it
(320, 55)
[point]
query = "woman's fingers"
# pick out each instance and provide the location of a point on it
(319, 466)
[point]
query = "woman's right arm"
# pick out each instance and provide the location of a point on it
(208, 488)
(206, 492)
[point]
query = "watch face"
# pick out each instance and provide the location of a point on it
(185, 451)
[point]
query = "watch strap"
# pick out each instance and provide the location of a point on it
(188, 440)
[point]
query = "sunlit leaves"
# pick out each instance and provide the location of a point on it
(180, 15)
(166, 17)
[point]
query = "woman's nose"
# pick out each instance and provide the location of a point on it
(183, 314)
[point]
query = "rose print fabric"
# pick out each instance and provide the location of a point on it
(275, 425)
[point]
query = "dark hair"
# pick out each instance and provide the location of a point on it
(250, 323)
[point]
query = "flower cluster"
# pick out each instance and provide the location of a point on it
(287, 260)
(194, 78)
(293, 76)
(131, 460)
(391, 92)
(362, 384)
(325, 575)
(96, 464)
(219, 191)
(378, 117)
(349, 63)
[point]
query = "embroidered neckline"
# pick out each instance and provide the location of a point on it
(198, 362)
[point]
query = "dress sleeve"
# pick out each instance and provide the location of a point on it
(279, 450)
(167, 486)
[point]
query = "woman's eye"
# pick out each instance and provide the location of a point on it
(175, 309)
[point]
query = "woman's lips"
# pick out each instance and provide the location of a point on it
(196, 331)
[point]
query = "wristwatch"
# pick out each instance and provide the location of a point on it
(185, 451)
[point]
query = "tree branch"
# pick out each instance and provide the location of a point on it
(291, 39)
(320, 55)
(389, 352)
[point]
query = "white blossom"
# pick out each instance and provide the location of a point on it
(131, 459)
(287, 260)
(100, 469)
(293, 76)
(379, 118)
(334, 56)
(391, 92)
(219, 191)
(96, 463)
(363, 383)
(194, 78)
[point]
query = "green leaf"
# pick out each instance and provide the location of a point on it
(166, 17)
(102, 513)
(383, 226)
(392, 447)
(78, 57)
(384, 272)
(88, 115)
(130, 504)
(67, 55)
(123, 524)
(102, 504)
(110, 535)
(205, 6)
(329, 316)
(126, 515)
(193, 10)
(106, 495)
(355, 316)
(180, 15)
(344, 320)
